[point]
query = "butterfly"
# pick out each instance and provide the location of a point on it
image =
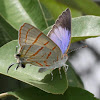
(46, 52)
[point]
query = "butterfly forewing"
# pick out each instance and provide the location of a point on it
(61, 31)
(37, 48)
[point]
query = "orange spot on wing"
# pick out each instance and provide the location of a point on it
(43, 55)
(37, 38)
(68, 46)
(57, 58)
(29, 59)
(48, 55)
(27, 34)
(54, 48)
(46, 63)
(39, 63)
(46, 43)
(37, 52)
(21, 48)
(33, 42)
(20, 33)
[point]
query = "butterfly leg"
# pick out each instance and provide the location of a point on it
(51, 76)
(60, 73)
(16, 49)
(66, 67)
(17, 67)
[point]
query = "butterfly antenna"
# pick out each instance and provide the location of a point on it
(77, 49)
(16, 49)
(10, 66)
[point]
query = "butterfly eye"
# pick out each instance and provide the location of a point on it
(18, 55)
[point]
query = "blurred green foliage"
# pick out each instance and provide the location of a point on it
(42, 14)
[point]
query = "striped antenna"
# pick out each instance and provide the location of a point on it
(77, 49)
(16, 49)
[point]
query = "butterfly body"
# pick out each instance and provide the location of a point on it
(20, 60)
(46, 52)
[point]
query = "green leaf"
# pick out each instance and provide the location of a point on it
(83, 27)
(72, 93)
(7, 32)
(15, 18)
(85, 6)
(17, 12)
(49, 18)
(73, 79)
(10, 84)
(30, 74)
(56, 8)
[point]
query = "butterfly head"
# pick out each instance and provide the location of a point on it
(20, 58)
(17, 56)
(19, 62)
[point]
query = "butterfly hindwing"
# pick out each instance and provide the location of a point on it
(39, 55)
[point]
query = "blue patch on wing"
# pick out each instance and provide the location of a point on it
(61, 31)
(61, 37)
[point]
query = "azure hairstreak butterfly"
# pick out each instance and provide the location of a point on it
(46, 52)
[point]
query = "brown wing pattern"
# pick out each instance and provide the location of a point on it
(36, 47)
